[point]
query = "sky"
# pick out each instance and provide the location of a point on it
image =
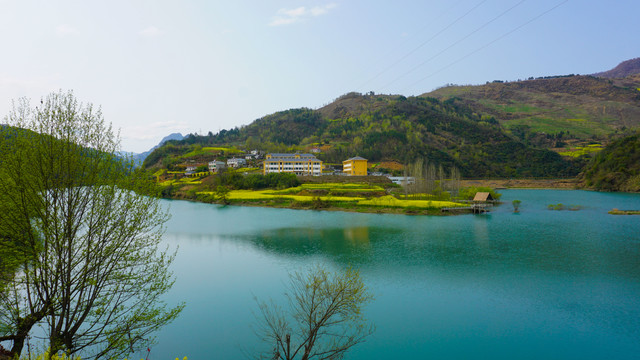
(161, 66)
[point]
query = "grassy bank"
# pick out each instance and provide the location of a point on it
(334, 197)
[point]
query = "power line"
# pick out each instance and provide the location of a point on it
(489, 44)
(452, 45)
(361, 87)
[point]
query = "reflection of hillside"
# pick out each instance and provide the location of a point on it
(334, 242)
(478, 247)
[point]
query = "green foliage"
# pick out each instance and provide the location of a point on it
(469, 193)
(84, 230)
(616, 167)
(222, 194)
(256, 181)
(202, 169)
(446, 133)
(516, 205)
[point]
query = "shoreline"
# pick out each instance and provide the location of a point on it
(497, 184)
(562, 184)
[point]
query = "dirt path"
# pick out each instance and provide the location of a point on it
(523, 183)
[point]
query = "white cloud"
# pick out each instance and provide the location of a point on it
(65, 30)
(290, 16)
(150, 31)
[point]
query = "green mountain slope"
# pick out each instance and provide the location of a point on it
(617, 167)
(570, 107)
(447, 133)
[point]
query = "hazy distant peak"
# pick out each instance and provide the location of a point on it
(174, 136)
(624, 69)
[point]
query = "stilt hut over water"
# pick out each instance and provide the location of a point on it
(482, 202)
(483, 197)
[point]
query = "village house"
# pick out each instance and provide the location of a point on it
(236, 163)
(355, 166)
(216, 166)
(299, 164)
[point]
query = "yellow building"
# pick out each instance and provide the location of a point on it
(356, 166)
(299, 164)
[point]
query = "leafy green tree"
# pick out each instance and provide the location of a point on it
(324, 319)
(222, 194)
(80, 231)
(516, 205)
(202, 168)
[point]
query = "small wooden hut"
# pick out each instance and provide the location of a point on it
(483, 197)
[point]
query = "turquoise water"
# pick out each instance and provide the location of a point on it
(540, 284)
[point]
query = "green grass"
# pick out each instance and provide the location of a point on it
(390, 201)
(387, 201)
(270, 194)
(582, 150)
(581, 128)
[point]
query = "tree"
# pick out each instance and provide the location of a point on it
(222, 194)
(324, 319)
(516, 205)
(81, 229)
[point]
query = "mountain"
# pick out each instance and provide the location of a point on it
(377, 127)
(139, 157)
(543, 111)
(624, 69)
(532, 128)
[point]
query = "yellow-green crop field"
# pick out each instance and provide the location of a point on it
(340, 186)
(182, 181)
(227, 150)
(337, 187)
(270, 194)
(582, 150)
(159, 172)
(384, 201)
(391, 201)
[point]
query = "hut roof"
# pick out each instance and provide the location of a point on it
(483, 196)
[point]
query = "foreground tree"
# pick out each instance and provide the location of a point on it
(79, 235)
(324, 319)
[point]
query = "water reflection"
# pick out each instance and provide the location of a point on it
(541, 284)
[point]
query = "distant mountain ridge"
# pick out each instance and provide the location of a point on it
(624, 69)
(139, 157)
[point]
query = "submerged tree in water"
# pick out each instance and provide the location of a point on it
(516, 205)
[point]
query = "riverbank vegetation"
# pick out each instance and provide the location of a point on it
(333, 193)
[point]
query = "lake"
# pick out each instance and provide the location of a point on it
(540, 284)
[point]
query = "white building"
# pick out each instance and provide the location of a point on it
(236, 163)
(215, 166)
(299, 164)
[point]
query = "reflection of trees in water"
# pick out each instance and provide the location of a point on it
(352, 244)
(476, 246)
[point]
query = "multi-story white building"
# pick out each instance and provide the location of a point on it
(215, 166)
(299, 164)
(236, 163)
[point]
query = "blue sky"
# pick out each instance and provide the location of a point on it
(157, 67)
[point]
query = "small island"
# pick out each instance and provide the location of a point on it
(624, 212)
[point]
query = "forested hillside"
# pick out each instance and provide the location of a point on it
(545, 111)
(446, 133)
(543, 127)
(617, 167)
